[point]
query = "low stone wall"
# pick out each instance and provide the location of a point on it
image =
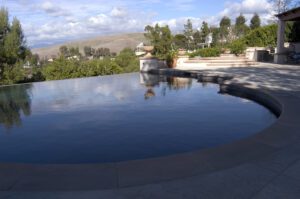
(147, 64)
(238, 90)
(250, 52)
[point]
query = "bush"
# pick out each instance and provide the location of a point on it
(64, 69)
(12, 74)
(262, 37)
(127, 60)
(99, 67)
(237, 47)
(207, 52)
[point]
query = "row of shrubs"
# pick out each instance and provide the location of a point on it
(64, 68)
(260, 37)
(207, 52)
(237, 47)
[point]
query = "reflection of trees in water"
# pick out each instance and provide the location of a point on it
(177, 83)
(169, 84)
(13, 101)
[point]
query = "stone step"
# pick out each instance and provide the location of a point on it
(218, 58)
(234, 64)
(218, 61)
(231, 55)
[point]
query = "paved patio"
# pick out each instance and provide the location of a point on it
(266, 165)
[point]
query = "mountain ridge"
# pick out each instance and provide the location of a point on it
(115, 43)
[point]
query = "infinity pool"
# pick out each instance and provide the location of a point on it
(119, 118)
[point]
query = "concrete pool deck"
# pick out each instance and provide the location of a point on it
(266, 165)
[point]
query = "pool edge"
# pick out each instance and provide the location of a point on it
(155, 170)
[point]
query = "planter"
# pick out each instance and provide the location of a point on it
(148, 50)
(172, 63)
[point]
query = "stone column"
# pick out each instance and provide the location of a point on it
(280, 57)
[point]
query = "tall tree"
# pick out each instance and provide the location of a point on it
(240, 26)
(204, 31)
(215, 35)
(14, 43)
(225, 25)
(4, 28)
(189, 32)
(160, 38)
(280, 6)
(4, 23)
(180, 41)
(255, 21)
(13, 49)
(197, 38)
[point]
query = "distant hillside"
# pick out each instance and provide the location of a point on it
(114, 42)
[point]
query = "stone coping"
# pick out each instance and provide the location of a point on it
(75, 177)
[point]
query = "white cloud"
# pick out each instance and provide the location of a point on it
(117, 20)
(248, 8)
(53, 21)
(232, 10)
(53, 10)
(118, 12)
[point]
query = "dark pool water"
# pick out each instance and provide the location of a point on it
(121, 117)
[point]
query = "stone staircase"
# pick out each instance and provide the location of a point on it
(225, 60)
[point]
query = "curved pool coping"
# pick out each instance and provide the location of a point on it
(35, 177)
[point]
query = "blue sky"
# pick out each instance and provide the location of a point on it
(47, 22)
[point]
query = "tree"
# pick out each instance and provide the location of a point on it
(240, 26)
(4, 24)
(180, 41)
(225, 22)
(189, 32)
(127, 60)
(14, 43)
(35, 59)
(160, 38)
(225, 25)
(74, 51)
(255, 22)
(106, 52)
(64, 51)
(13, 49)
(197, 38)
(204, 31)
(293, 31)
(4, 28)
(102, 52)
(280, 6)
(88, 51)
(262, 37)
(215, 35)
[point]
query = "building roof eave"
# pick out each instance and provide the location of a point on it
(292, 14)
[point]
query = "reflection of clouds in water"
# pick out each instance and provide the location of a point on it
(75, 93)
(245, 100)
